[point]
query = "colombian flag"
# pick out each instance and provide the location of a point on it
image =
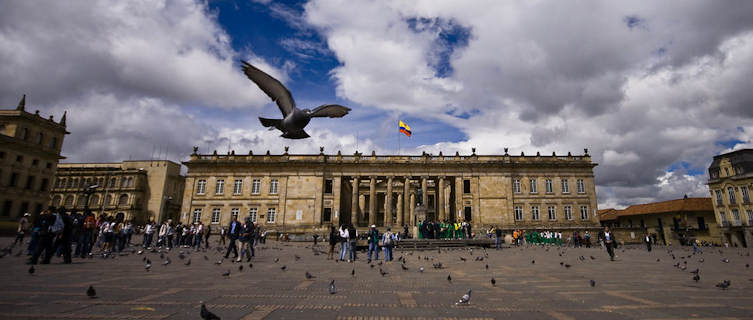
(404, 128)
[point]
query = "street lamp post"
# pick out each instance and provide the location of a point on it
(88, 190)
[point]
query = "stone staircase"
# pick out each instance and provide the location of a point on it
(430, 244)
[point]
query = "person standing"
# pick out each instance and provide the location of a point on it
(333, 235)
(62, 237)
(23, 224)
(148, 234)
(498, 242)
(609, 241)
(343, 241)
(588, 239)
(647, 241)
(352, 242)
(405, 231)
(199, 234)
(207, 233)
(234, 230)
(373, 240)
(223, 235)
(388, 242)
(88, 227)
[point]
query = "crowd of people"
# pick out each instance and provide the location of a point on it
(444, 230)
(59, 232)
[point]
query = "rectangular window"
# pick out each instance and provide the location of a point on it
(43, 187)
(13, 179)
(565, 187)
(516, 185)
(533, 185)
(196, 215)
(219, 187)
(216, 215)
(238, 186)
(750, 217)
(744, 193)
(581, 186)
(731, 192)
(736, 216)
(255, 186)
(568, 212)
(201, 187)
(723, 218)
(584, 212)
(234, 213)
(252, 214)
(549, 187)
(327, 215)
(518, 213)
(273, 186)
(7, 206)
(271, 215)
(328, 186)
(29, 182)
(535, 212)
(466, 186)
(718, 197)
(552, 213)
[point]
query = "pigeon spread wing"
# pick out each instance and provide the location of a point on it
(273, 88)
(330, 110)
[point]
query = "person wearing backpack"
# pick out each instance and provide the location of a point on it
(388, 242)
(373, 243)
(44, 221)
(87, 228)
(63, 230)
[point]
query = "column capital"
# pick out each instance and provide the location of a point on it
(373, 177)
(442, 177)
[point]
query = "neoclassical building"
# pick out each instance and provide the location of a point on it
(140, 190)
(29, 153)
(305, 193)
(730, 183)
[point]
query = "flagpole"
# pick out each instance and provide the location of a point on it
(398, 142)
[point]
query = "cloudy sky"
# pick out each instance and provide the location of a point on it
(653, 89)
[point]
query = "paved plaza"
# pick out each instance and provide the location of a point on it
(638, 285)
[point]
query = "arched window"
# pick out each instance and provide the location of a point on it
(61, 183)
(112, 183)
(101, 182)
(123, 182)
(56, 200)
(108, 200)
(80, 200)
(94, 201)
(81, 183)
(71, 182)
(123, 200)
(130, 182)
(68, 201)
(88, 181)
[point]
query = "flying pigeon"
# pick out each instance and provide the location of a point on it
(465, 299)
(332, 287)
(294, 119)
(91, 293)
(206, 314)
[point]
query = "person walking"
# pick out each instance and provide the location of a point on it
(198, 235)
(333, 235)
(43, 223)
(88, 228)
(223, 236)
(148, 235)
(647, 241)
(62, 237)
(388, 242)
(343, 241)
(234, 230)
(207, 233)
(609, 241)
(247, 241)
(373, 241)
(23, 225)
(498, 234)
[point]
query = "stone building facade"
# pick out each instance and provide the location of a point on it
(29, 154)
(140, 190)
(308, 193)
(730, 183)
(677, 221)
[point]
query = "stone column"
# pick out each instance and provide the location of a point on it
(440, 199)
(412, 209)
(400, 209)
(388, 203)
(354, 203)
(406, 202)
(372, 201)
(424, 194)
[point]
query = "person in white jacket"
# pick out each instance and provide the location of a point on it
(344, 236)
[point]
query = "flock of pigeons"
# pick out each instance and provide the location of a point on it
(681, 263)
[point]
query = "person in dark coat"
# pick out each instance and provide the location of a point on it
(43, 223)
(609, 240)
(234, 231)
(63, 239)
(647, 241)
